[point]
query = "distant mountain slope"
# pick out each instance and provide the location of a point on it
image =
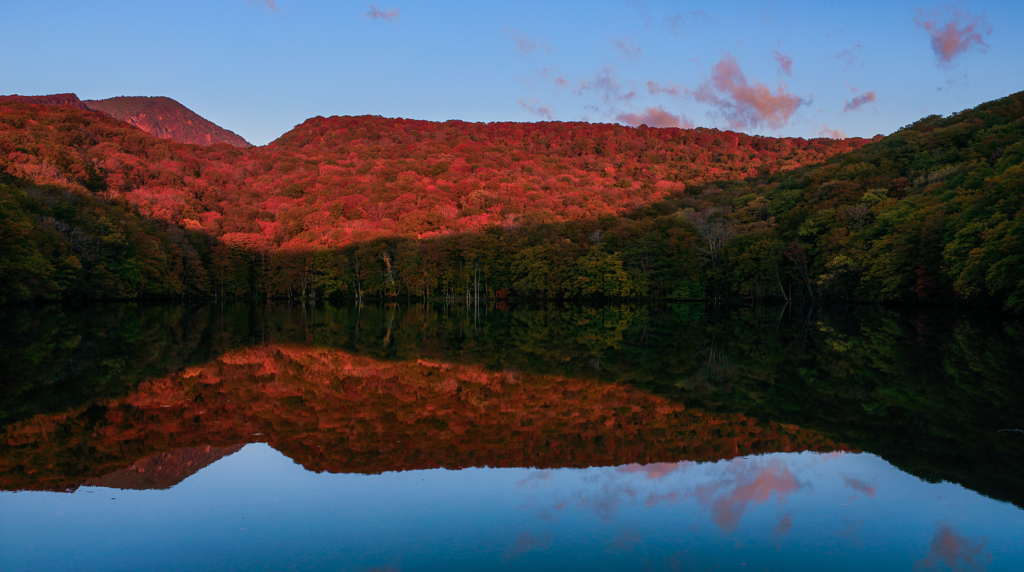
(66, 99)
(167, 119)
(342, 205)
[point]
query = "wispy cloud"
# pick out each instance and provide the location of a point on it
(743, 103)
(955, 552)
(859, 486)
(272, 4)
(378, 14)
(850, 57)
(677, 22)
(627, 47)
(825, 131)
(785, 525)
(655, 88)
(606, 84)
(957, 34)
(785, 62)
(753, 485)
(535, 109)
(856, 103)
(525, 44)
(654, 117)
(527, 542)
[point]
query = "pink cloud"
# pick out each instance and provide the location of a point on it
(272, 4)
(653, 471)
(626, 541)
(859, 486)
(525, 44)
(526, 542)
(831, 133)
(677, 20)
(606, 83)
(533, 108)
(654, 117)
(378, 14)
(955, 36)
(955, 552)
(746, 104)
(785, 62)
(671, 89)
(752, 485)
(856, 103)
(627, 47)
(849, 57)
(785, 525)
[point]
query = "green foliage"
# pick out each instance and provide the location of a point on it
(925, 389)
(932, 213)
(56, 243)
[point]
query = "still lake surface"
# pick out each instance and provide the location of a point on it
(541, 437)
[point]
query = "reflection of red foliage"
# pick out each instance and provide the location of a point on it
(164, 470)
(334, 411)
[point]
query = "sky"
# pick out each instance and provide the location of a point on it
(260, 67)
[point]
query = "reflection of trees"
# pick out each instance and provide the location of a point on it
(332, 410)
(927, 390)
(715, 374)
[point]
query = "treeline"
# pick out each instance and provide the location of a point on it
(933, 213)
(59, 244)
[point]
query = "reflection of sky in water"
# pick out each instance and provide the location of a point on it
(256, 510)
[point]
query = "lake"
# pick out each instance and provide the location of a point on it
(510, 436)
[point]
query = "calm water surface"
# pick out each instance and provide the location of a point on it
(675, 437)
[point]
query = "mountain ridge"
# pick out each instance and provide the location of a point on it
(166, 118)
(354, 206)
(159, 116)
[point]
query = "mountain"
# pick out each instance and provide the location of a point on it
(161, 117)
(166, 118)
(163, 470)
(65, 99)
(369, 206)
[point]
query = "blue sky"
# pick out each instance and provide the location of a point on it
(260, 67)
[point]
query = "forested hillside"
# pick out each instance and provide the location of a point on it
(365, 206)
(167, 119)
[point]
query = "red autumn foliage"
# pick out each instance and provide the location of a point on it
(165, 118)
(333, 411)
(337, 180)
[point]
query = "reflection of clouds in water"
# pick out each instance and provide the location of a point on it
(851, 528)
(533, 479)
(859, 486)
(744, 483)
(958, 553)
(653, 471)
(725, 488)
(625, 541)
(785, 525)
(526, 542)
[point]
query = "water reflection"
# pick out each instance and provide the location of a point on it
(256, 510)
(426, 437)
(331, 410)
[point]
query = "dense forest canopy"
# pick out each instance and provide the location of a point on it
(92, 391)
(367, 206)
